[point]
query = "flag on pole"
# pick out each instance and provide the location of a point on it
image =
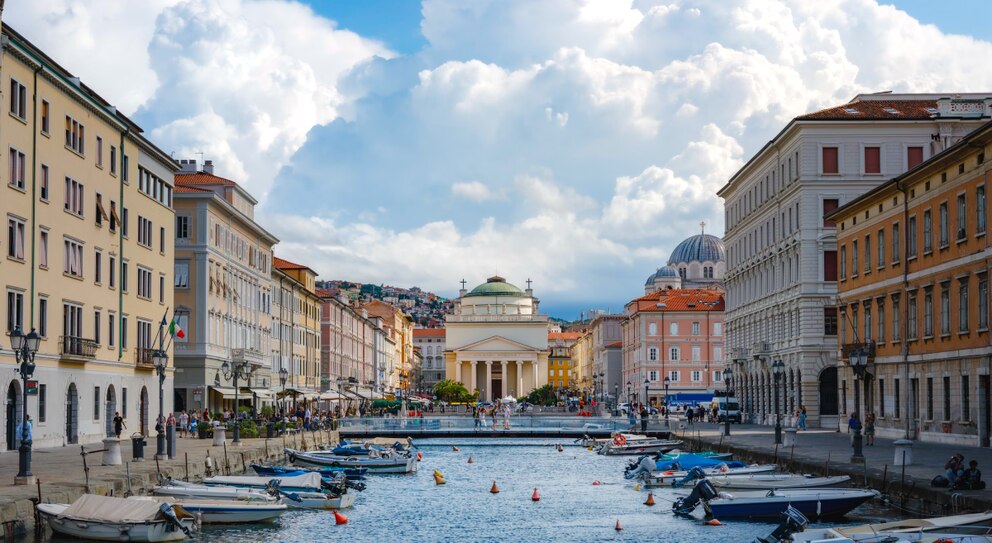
(175, 330)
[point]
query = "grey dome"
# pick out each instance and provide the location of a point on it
(650, 280)
(698, 248)
(664, 272)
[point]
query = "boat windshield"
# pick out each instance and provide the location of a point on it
(732, 406)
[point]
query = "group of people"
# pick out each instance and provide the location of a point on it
(962, 478)
(854, 425)
(480, 412)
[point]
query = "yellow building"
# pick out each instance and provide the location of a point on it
(399, 328)
(88, 207)
(560, 364)
(582, 354)
(223, 290)
(296, 328)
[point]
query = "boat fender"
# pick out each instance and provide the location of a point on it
(339, 518)
(818, 508)
(713, 522)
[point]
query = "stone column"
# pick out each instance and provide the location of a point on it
(475, 375)
(534, 363)
(505, 380)
(489, 380)
(458, 370)
(520, 377)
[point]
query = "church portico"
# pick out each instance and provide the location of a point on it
(505, 374)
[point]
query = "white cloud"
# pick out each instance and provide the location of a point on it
(472, 190)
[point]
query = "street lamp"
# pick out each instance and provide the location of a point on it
(24, 347)
(160, 360)
(778, 368)
(727, 376)
(859, 362)
(236, 370)
(283, 377)
(647, 399)
(616, 398)
(668, 425)
(629, 406)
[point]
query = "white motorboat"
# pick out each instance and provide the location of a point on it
(668, 478)
(182, 490)
(394, 464)
(635, 447)
(970, 528)
(104, 518)
(297, 499)
(226, 511)
(769, 481)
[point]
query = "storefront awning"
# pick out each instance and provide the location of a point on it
(262, 392)
(225, 392)
(330, 396)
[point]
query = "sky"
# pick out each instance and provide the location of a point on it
(571, 142)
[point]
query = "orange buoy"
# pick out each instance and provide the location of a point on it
(494, 489)
(596, 483)
(713, 522)
(650, 500)
(339, 518)
(618, 527)
(470, 461)
(456, 449)
(535, 496)
(419, 457)
(560, 448)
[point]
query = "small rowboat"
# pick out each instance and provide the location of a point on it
(226, 511)
(104, 518)
(396, 464)
(636, 447)
(302, 499)
(355, 474)
(667, 478)
(769, 481)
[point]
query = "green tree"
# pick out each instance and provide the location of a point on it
(542, 396)
(452, 391)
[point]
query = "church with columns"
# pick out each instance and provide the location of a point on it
(497, 340)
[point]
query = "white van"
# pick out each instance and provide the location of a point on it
(727, 409)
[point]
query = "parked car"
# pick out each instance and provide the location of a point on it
(625, 406)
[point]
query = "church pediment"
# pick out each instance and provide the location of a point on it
(497, 343)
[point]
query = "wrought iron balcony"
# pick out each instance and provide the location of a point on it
(143, 358)
(77, 348)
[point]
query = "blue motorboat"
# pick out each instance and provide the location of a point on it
(813, 503)
(687, 461)
(353, 474)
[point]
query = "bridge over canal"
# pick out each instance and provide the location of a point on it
(572, 427)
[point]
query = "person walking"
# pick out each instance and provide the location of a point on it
(644, 419)
(870, 429)
(853, 424)
(475, 416)
(689, 415)
(183, 423)
(802, 417)
(119, 424)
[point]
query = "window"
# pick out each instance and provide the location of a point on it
(97, 321)
(943, 224)
(695, 328)
(829, 206)
(854, 258)
(124, 402)
(113, 160)
(154, 187)
(15, 238)
(73, 196)
(161, 289)
(124, 332)
(43, 316)
(124, 168)
(983, 301)
(947, 397)
(696, 376)
(145, 335)
(696, 353)
(980, 209)
(673, 354)
(673, 376)
(18, 100)
(182, 274)
(124, 221)
(17, 163)
(46, 117)
(843, 262)
(881, 398)
(42, 403)
(717, 328)
(652, 354)
(182, 227)
(945, 310)
(896, 319)
(911, 241)
(867, 253)
(881, 320)
(144, 283)
(880, 243)
(124, 276)
(75, 135)
(963, 306)
(673, 328)
(652, 376)
(653, 329)
(72, 320)
(111, 331)
(830, 321)
(161, 239)
(914, 156)
(15, 310)
(96, 403)
(144, 232)
(896, 399)
(873, 160)
(99, 152)
(98, 270)
(965, 399)
(928, 312)
(829, 160)
(912, 316)
(895, 243)
(868, 324)
(962, 209)
(928, 229)
(112, 270)
(44, 183)
(43, 250)
(73, 255)
(929, 398)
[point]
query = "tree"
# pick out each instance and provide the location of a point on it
(452, 391)
(542, 396)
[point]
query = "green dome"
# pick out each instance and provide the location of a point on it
(496, 286)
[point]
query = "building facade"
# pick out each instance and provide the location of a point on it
(87, 202)
(782, 252)
(348, 351)
(677, 334)
(913, 282)
(497, 341)
(398, 329)
(223, 292)
(431, 344)
(561, 366)
(296, 329)
(606, 332)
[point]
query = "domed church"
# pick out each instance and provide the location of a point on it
(697, 262)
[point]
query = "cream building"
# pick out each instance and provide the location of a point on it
(497, 342)
(87, 202)
(398, 328)
(223, 291)
(296, 329)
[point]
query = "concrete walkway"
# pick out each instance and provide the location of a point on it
(63, 479)
(821, 450)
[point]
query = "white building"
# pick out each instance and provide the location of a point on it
(497, 342)
(430, 341)
(781, 253)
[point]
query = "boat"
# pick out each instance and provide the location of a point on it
(310, 498)
(368, 446)
(769, 481)
(226, 511)
(710, 455)
(354, 474)
(637, 447)
(394, 464)
(813, 503)
(969, 528)
(104, 518)
(674, 478)
(182, 490)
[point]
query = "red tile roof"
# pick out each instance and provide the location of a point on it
(428, 332)
(616, 344)
(680, 300)
(875, 110)
(201, 178)
(328, 292)
(281, 264)
(187, 188)
(565, 336)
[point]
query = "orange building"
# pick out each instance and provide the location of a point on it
(913, 268)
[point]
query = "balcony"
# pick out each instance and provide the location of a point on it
(761, 348)
(252, 356)
(77, 349)
(143, 358)
(496, 318)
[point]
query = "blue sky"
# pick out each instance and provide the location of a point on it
(573, 142)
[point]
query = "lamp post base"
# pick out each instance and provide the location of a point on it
(24, 480)
(778, 434)
(858, 457)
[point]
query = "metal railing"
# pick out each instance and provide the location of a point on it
(77, 347)
(143, 357)
(517, 423)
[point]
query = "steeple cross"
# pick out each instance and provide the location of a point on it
(463, 284)
(702, 226)
(528, 283)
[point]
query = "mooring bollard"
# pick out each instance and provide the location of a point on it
(903, 452)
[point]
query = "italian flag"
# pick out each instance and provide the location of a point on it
(176, 331)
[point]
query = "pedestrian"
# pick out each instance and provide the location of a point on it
(493, 413)
(183, 423)
(475, 416)
(689, 414)
(307, 415)
(853, 424)
(870, 429)
(119, 424)
(716, 414)
(644, 419)
(970, 479)
(802, 417)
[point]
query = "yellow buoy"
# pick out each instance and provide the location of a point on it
(438, 478)
(637, 487)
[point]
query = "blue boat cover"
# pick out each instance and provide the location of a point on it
(688, 461)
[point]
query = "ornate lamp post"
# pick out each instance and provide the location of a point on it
(616, 398)
(24, 347)
(728, 374)
(859, 362)
(778, 368)
(160, 360)
(629, 406)
(647, 399)
(283, 377)
(668, 425)
(234, 371)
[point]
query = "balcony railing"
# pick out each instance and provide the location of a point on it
(496, 318)
(143, 358)
(72, 347)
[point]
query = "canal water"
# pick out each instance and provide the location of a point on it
(411, 508)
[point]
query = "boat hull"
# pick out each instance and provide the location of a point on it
(374, 466)
(814, 507)
(667, 478)
(762, 481)
(312, 501)
(638, 449)
(235, 513)
(151, 531)
(213, 493)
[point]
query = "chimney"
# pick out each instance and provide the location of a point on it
(208, 167)
(187, 166)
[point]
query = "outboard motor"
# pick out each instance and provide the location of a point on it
(336, 485)
(703, 491)
(357, 485)
(693, 474)
(170, 516)
(644, 464)
(793, 521)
